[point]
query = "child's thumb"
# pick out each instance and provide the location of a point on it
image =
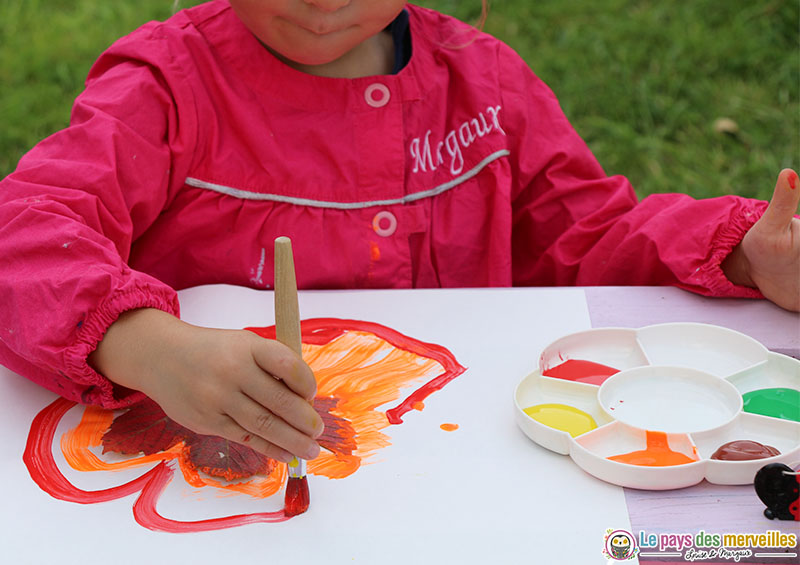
(785, 200)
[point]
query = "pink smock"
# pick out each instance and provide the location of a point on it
(192, 148)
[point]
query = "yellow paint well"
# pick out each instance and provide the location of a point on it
(562, 417)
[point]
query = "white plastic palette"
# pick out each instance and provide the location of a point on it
(680, 383)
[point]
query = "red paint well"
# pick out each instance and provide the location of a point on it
(581, 371)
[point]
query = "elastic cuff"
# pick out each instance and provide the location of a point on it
(99, 390)
(710, 276)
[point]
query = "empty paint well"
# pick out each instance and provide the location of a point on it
(670, 399)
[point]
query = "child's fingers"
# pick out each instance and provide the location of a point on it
(783, 205)
(232, 431)
(284, 364)
(279, 399)
(272, 428)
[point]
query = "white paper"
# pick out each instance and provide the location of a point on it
(481, 494)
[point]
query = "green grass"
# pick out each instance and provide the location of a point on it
(643, 81)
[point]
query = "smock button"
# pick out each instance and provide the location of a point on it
(377, 95)
(384, 223)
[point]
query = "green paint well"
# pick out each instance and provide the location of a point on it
(781, 403)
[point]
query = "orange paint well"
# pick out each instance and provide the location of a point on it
(656, 454)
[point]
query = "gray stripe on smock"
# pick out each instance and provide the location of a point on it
(247, 195)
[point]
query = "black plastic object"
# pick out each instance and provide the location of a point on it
(778, 486)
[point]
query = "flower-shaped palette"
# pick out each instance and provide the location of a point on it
(664, 406)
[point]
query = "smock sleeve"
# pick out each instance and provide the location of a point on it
(68, 216)
(574, 225)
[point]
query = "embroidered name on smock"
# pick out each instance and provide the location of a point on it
(454, 143)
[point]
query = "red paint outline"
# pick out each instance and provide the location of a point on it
(318, 331)
(38, 457)
(38, 454)
(146, 514)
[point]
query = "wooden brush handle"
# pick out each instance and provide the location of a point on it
(287, 313)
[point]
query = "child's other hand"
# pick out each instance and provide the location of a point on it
(768, 257)
(228, 383)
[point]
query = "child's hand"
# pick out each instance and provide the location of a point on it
(228, 383)
(768, 257)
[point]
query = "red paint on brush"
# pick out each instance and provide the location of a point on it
(297, 499)
(581, 371)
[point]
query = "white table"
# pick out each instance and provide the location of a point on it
(481, 494)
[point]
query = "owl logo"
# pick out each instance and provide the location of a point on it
(620, 545)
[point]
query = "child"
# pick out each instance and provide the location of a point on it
(394, 145)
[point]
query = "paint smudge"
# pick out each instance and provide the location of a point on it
(581, 371)
(374, 251)
(562, 417)
(449, 427)
(656, 454)
(360, 367)
(791, 178)
(783, 403)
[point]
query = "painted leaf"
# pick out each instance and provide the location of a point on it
(339, 434)
(219, 457)
(368, 377)
(364, 371)
(143, 428)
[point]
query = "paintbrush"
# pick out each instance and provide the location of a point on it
(287, 330)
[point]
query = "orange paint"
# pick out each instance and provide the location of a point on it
(657, 453)
(420, 406)
(374, 251)
(76, 445)
(362, 371)
(368, 375)
(449, 427)
(357, 372)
